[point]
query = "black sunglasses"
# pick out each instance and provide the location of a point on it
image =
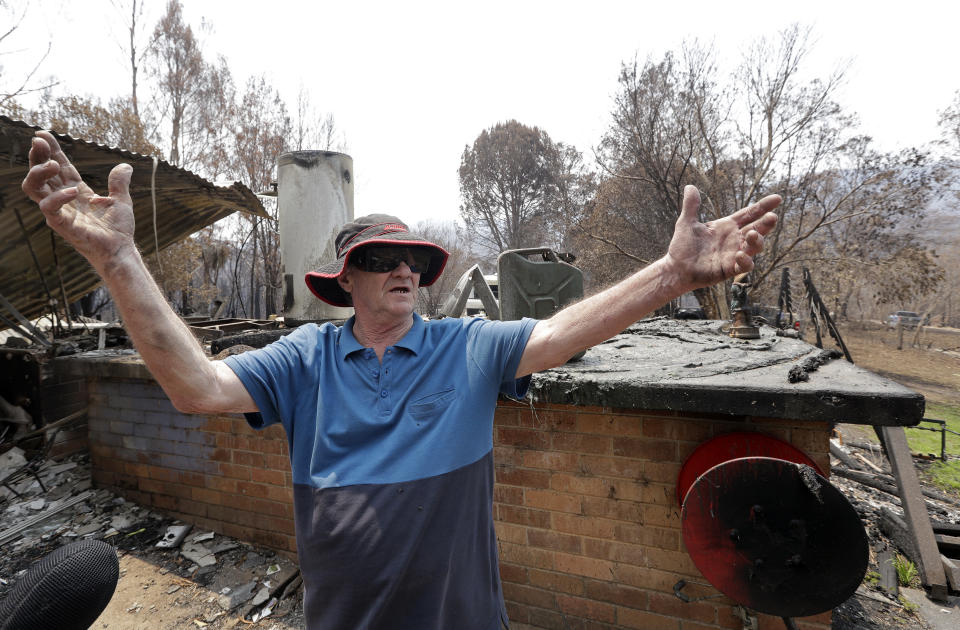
(384, 259)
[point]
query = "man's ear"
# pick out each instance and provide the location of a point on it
(345, 280)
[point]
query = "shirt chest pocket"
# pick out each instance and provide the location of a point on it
(431, 406)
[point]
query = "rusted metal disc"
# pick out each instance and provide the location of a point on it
(732, 446)
(774, 536)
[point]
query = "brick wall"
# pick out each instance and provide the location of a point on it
(588, 522)
(213, 471)
(62, 394)
(587, 519)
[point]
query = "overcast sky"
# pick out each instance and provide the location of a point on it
(410, 84)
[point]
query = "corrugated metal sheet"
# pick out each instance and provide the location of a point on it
(185, 203)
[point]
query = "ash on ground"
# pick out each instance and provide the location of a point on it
(222, 582)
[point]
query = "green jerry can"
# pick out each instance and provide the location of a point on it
(536, 283)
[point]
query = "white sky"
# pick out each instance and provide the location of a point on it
(410, 84)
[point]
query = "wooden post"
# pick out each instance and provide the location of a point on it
(915, 511)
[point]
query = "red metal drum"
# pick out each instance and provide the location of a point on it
(732, 446)
(774, 536)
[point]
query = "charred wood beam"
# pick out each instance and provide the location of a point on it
(838, 451)
(931, 569)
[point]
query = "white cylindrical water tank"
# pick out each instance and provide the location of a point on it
(315, 198)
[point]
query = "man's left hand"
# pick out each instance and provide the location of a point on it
(703, 254)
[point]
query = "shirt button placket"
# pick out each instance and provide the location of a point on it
(384, 383)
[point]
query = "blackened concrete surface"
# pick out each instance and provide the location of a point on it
(693, 366)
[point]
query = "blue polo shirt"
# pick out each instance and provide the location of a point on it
(392, 467)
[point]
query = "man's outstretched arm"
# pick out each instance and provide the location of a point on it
(101, 229)
(700, 255)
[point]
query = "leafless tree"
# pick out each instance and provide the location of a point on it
(19, 82)
(768, 129)
(517, 186)
(314, 131)
(453, 239)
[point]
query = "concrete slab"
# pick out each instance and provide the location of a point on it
(940, 616)
(692, 366)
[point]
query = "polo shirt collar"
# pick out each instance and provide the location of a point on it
(412, 341)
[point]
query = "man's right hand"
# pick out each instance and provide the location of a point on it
(98, 227)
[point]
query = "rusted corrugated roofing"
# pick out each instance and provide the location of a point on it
(185, 203)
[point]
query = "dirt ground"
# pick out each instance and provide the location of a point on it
(931, 368)
(147, 598)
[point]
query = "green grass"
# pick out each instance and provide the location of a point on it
(906, 570)
(945, 475)
(929, 441)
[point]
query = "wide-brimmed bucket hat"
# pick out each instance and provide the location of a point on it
(373, 229)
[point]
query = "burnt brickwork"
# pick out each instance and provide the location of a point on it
(587, 518)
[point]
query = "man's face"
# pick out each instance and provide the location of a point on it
(385, 295)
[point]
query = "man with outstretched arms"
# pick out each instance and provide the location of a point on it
(389, 417)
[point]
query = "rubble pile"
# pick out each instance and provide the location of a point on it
(228, 578)
(877, 603)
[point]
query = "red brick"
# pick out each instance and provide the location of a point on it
(606, 424)
(582, 607)
(677, 429)
(247, 458)
(647, 536)
(615, 551)
(543, 619)
(554, 540)
(523, 477)
(811, 441)
(645, 578)
(549, 500)
(661, 516)
(191, 478)
(235, 472)
(582, 525)
(523, 438)
(550, 461)
(509, 532)
(137, 470)
(528, 595)
(273, 508)
(587, 567)
(558, 582)
(597, 486)
(612, 466)
(207, 496)
(527, 556)
(513, 573)
(223, 484)
(612, 508)
(274, 477)
(506, 417)
(630, 618)
(579, 443)
(548, 419)
(661, 472)
(508, 494)
(518, 613)
(277, 462)
(646, 448)
(192, 507)
(664, 604)
(523, 516)
(616, 594)
(163, 474)
(660, 494)
(221, 455)
(678, 561)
